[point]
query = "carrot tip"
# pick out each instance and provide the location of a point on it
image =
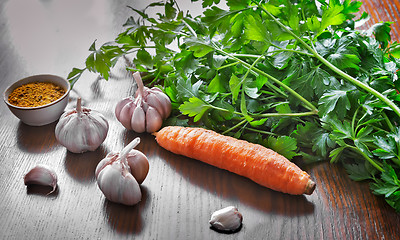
(310, 187)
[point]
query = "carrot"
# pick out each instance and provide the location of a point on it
(258, 163)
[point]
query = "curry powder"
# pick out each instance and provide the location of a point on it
(35, 94)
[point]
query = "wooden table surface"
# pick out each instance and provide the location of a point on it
(179, 194)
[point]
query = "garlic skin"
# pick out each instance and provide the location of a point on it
(118, 175)
(41, 175)
(81, 129)
(118, 184)
(228, 219)
(145, 112)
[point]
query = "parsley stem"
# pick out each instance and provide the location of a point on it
(353, 121)
(264, 115)
(370, 160)
(388, 122)
(262, 132)
(270, 85)
(293, 51)
(224, 110)
(189, 27)
(303, 114)
(236, 126)
(246, 55)
(333, 67)
(294, 93)
(275, 51)
(228, 65)
(360, 84)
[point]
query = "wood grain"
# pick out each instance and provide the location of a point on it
(179, 194)
(383, 11)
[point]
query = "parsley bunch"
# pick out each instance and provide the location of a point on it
(293, 75)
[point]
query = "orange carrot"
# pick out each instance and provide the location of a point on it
(258, 163)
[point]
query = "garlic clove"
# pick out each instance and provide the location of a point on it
(137, 121)
(121, 105)
(41, 175)
(164, 101)
(138, 164)
(109, 159)
(153, 120)
(228, 219)
(160, 102)
(126, 113)
(118, 185)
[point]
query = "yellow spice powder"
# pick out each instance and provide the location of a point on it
(35, 94)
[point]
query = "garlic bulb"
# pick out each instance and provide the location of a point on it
(118, 175)
(228, 219)
(41, 175)
(146, 111)
(81, 129)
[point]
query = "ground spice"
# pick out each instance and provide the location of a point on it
(35, 94)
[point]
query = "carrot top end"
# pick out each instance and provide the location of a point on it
(310, 187)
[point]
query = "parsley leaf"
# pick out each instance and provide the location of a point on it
(298, 78)
(389, 186)
(194, 108)
(283, 145)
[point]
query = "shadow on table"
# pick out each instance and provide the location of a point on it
(232, 186)
(126, 219)
(224, 183)
(40, 190)
(82, 166)
(36, 139)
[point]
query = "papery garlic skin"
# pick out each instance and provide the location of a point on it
(118, 175)
(227, 219)
(146, 111)
(41, 175)
(81, 129)
(137, 162)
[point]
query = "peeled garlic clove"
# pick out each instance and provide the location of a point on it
(228, 219)
(118, 185)
(153, 120)
(41, 175)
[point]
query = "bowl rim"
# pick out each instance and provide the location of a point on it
(5, 98)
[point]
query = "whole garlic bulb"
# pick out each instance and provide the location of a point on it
(146, 111)
(118, 175)
(81, 129)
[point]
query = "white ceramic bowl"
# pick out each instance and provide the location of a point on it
(41, 115)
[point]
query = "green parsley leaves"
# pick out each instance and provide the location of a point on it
(294, 76)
